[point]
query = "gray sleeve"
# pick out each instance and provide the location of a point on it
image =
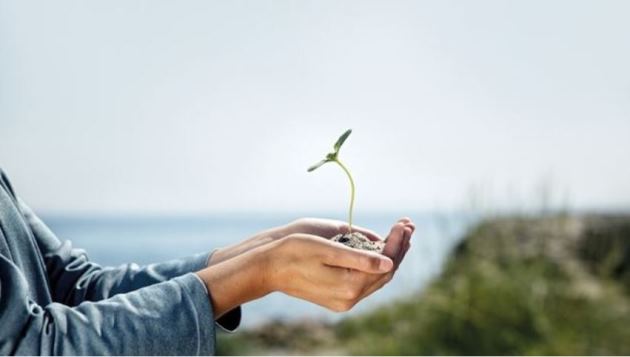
(74, 279)
(168, 318)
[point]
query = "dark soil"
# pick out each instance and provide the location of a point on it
(359, 241)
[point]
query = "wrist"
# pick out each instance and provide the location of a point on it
(269, 272)
(216, 257)
(236, 281)
(222, 254)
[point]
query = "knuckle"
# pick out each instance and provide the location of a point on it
(284, 242)
(294, 239)
(372, 262)
(351, 294)
(293, 236)
(347, 305)
(290, 243)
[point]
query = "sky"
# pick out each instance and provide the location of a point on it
(220, 106)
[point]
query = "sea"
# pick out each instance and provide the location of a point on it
(114, 240)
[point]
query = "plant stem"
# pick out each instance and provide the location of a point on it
(351, 193)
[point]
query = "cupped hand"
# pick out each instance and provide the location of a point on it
(397, 241)
(326, 228)
(347, 275)
(326, 273)
(306, 266)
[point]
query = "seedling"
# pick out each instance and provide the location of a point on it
(334, 157)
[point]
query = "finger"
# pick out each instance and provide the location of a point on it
(322, 227)
(394, 241)
(318, 296)
(354, 283)
(323, 275)
(408, 222)
(328, 228)
(341, 256)
(356, 286)
(323, 281)
(412, 226)
(385, 278)
(401, 252)
(339, 291)
(377, 284)
(405, 247)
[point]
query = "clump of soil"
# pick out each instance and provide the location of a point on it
(359, 241)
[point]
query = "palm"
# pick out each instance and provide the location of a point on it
(397, 241)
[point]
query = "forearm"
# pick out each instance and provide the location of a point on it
(174, 317)
(238, 280)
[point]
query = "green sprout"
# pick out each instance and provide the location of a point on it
(334, 157)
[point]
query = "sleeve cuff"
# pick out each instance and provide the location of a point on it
(198, 261)
(231, 320)
(195, 289)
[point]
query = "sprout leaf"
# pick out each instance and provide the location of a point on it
(317, 165)
(333, 157)
(341, 139)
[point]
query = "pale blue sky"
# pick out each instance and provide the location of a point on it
(207, 106)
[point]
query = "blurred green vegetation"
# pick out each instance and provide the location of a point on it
(554, 286)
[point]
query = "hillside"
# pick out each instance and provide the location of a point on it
(558, 285)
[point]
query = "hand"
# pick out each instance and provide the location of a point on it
(356, 284)
(301, 265)
(326, 228)
(397, 242)
(305, 266)
(324, 272)
(396, 247)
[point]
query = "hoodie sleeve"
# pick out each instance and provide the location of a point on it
(74, 278)
(168, 318)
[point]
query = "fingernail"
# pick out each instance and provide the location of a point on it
(385, 265)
